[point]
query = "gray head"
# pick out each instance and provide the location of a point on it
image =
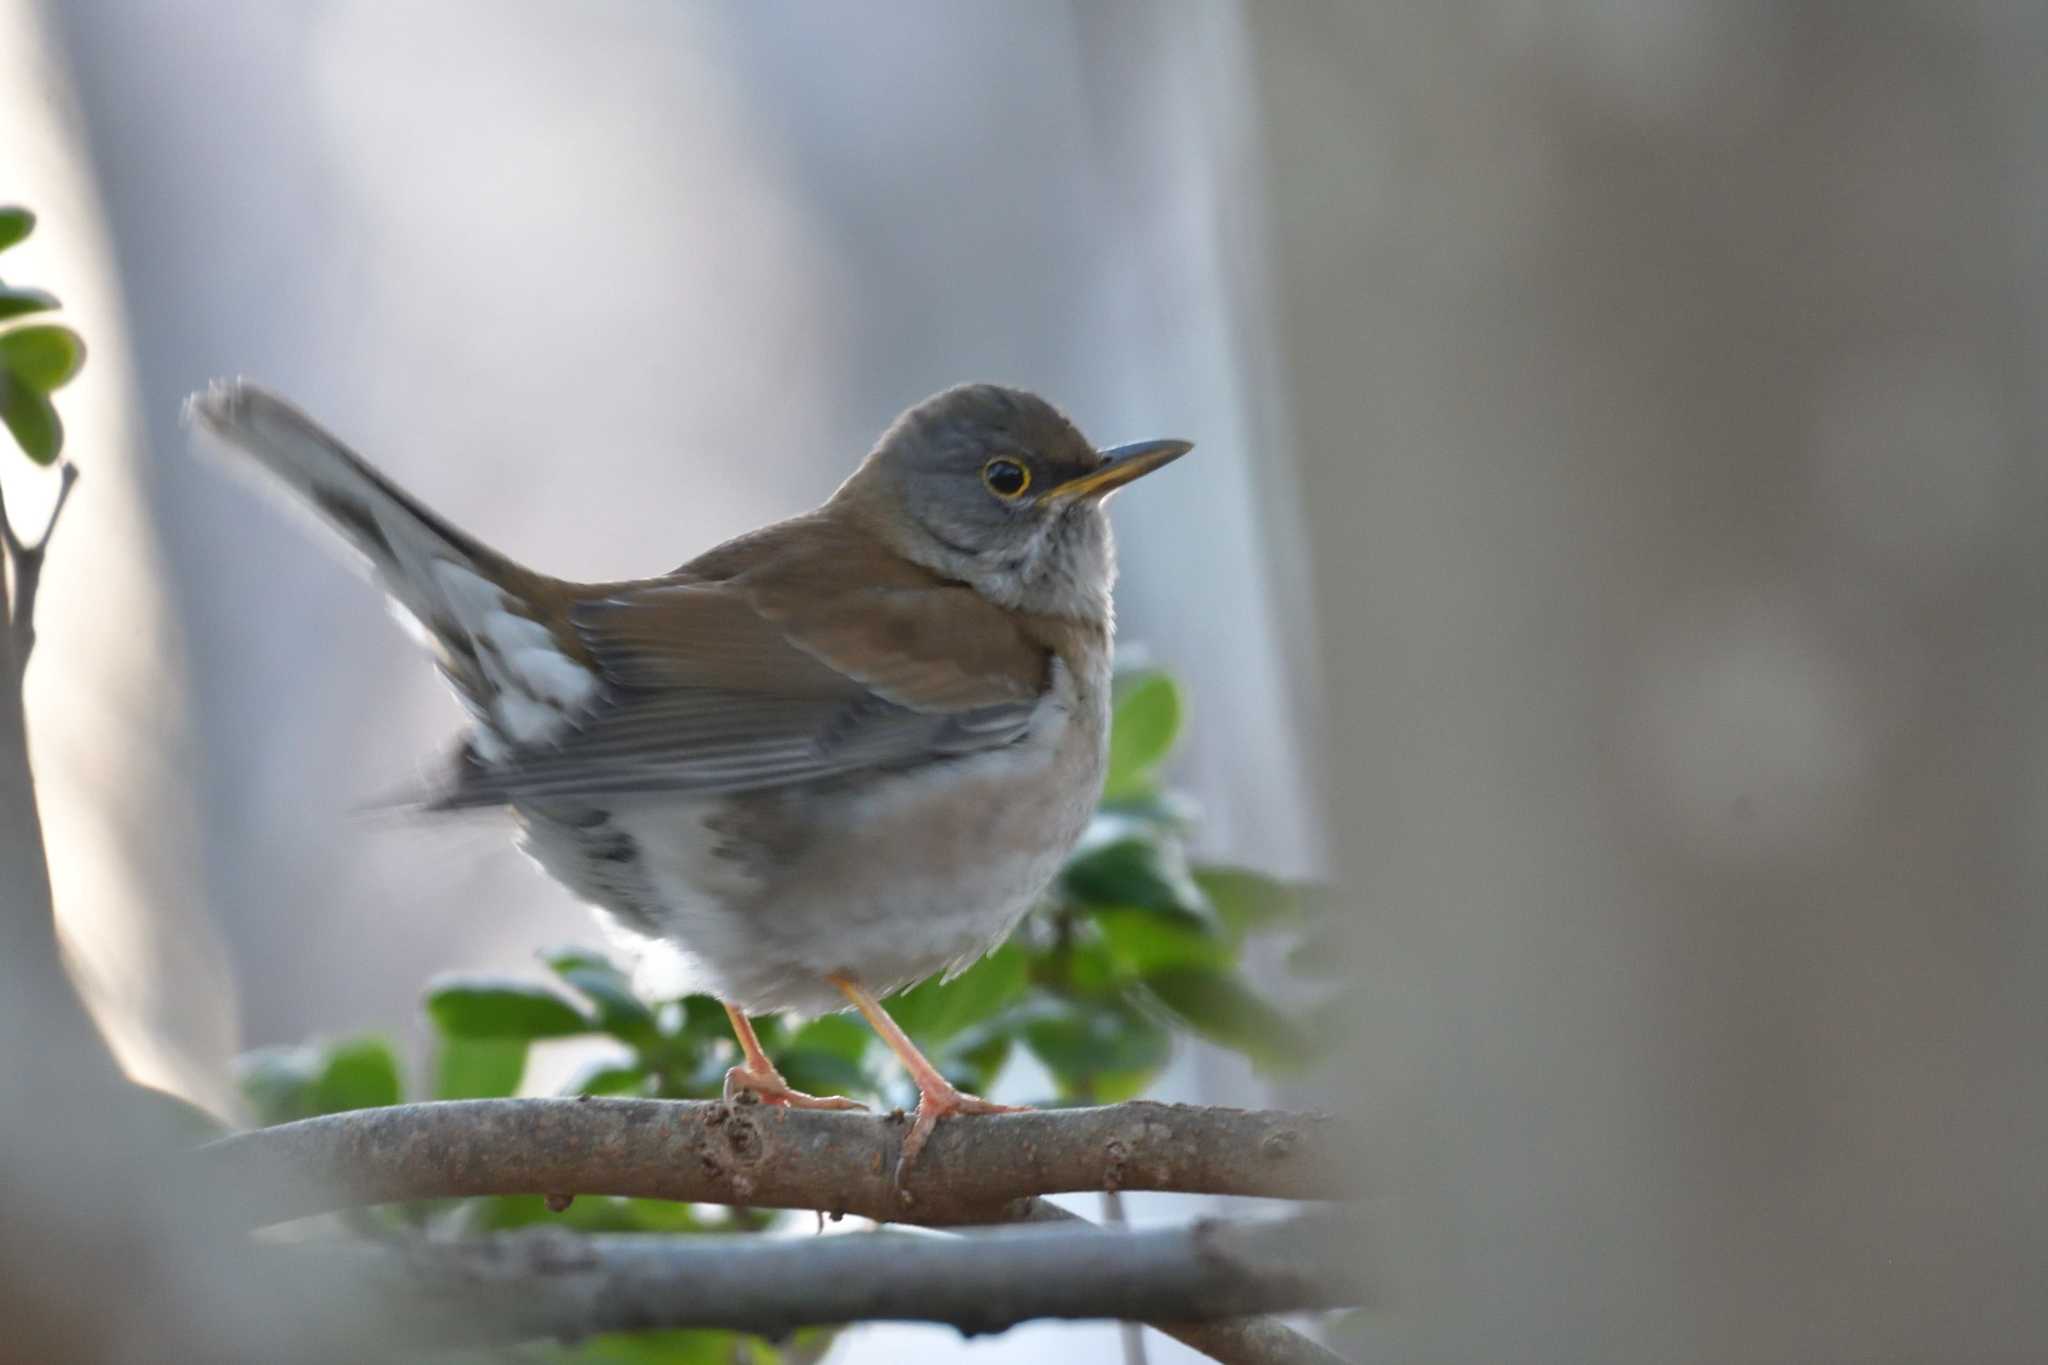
(995, 487)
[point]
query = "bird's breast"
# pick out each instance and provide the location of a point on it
(962, 842)
(887, 876)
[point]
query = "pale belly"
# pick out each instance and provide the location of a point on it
(758, 899)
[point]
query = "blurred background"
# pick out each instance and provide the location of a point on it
(1612, 559)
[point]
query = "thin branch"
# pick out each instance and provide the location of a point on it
(67, 478)
(1232, 1341)
(712, 1152)
(28, 922)
(9, 540)
(25, 569)
(520, 1287)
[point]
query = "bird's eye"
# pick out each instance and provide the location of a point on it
(1006, 478)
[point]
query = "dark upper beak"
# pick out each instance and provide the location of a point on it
(1120, 465)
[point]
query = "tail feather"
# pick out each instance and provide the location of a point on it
(480, 613)
(400, 537)
(445, 580)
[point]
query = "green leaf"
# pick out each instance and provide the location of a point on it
(1145, 941)
(42, 357)
(771, 1030)
(620, 1012)
(1224, 1010)
(33, 420)
(1143, 726)
(975, 1059)
(359, 1073)
(1248, 901)
(827, 1056)
(670, 1346)
(608, 1078)
(704, 1019)
(478, 1068)
(16, 223)
(845, 1035)
(488, 1007)
(589, 1213)
(823, 1073)
(1087, 966)
(1098, 1052)
(277, 1082)
(805, 1344)
(16, 301)
(282, 1084)
(1156, 812)
(1114, 1087)
(936, 1010)
(1148, 873)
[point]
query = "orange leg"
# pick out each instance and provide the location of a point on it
(937, 1098)
(759, 1075)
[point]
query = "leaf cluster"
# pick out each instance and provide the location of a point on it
(36, 359)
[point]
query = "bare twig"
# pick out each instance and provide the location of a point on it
(1233, 1341)
(524, 1286)
(25, 570)
(28, 924)
(711, 1152)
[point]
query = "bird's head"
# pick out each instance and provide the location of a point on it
(994, 487)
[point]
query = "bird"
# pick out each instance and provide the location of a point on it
(814, 765)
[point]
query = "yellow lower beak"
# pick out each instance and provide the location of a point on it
(1119, 466)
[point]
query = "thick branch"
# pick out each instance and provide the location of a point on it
(525, 1286)
(1232, 1341)
(709, 1152)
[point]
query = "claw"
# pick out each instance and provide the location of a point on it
(940, 1101)
(769, 1087)
(937, 1097)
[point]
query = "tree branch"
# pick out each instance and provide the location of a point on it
(1232, 1341)
(712, 1152)
(28, 920)
(523, 1286)
(25, 571)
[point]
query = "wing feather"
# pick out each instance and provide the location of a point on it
(773, 676)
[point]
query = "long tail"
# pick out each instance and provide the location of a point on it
(451, 584)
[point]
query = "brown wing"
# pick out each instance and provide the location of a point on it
(779, 670)
(839, 595)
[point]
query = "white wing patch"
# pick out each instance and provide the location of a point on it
(525, 720)
(545, 671)
(471, 597)
(538, 688)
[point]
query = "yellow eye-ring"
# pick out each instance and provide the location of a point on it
(1006, 478)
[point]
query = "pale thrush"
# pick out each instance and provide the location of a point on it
(820, 762)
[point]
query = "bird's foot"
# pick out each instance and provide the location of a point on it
(769, 1087)
(941, 1100)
